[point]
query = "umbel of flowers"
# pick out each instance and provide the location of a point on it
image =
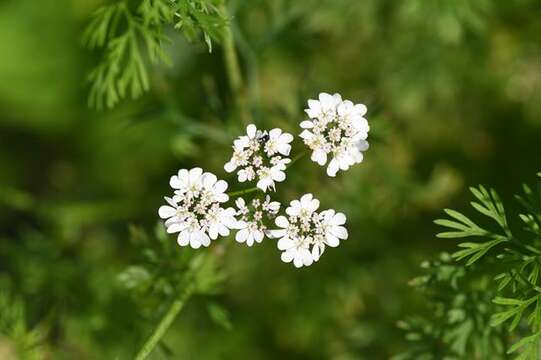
(337, 129)
(260, 155)
(335, 132)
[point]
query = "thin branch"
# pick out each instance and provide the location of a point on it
(232, 68)
(242, 192)
(165, 322)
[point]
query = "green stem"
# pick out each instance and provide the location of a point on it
(242, 192)
(297, 158)
(165, 323)
(232, 67)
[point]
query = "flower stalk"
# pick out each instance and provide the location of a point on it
(242, 192)
(297, 158)
(166, 322)
(232, 67)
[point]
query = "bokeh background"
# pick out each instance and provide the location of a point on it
(454, 96)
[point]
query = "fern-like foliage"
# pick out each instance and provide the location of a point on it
(131, 38)
(485, 298)
(457, 323)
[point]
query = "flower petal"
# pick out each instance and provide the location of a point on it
(223, 230)
(241, 236)
(166, 211)
(251, 131)
(307, 124)
(281, 221)
(332, 240)
(174, 182)
(264, 183)
(205, 240)
(213, 232)
(220, 186)
(240, 203)
(209, 179)
(195, 239)
(298, 260)
(284, 149)
(360, 109)
(183, 238)
(170, 201)
(314, 205)
(287, 256)
(307, 258)
(316, 252)
(174, 228)
(327, 101)
(306, 134)
(340, 232)
(275, 234)
(338, 219)
(333, 168)
(277, 174)
(314, 105)
(294, 208)
(319, 156)
(258, 236)
(275, 133)
(285, 243)
(221, 198)
(250, 239)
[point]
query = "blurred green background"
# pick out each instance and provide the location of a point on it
(453, 90)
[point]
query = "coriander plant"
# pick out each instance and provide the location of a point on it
(199, 209)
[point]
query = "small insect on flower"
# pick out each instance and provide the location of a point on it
(304, 232)
(337, 128)
(252, 218)
(195, 210)
(261, 155)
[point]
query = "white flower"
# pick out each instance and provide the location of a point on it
(304, 234)
(330, 231)
(295, 247)
(251, 224)
(303, 208)
(337, 128)
(278, 142)
(267, 177)
(195, 212)
(271, 207)
(258, 156)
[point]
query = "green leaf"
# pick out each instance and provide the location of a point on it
(489, 205)
(98, 30)
(475, 250)
(518, 307)
(465, 226)
(220, 315)
(508, 301)
(523, 342)
(135, 278)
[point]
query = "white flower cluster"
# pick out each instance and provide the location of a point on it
(337, 129)
(259, 154)
(195, 210)
(251, 220)
(304, 232)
